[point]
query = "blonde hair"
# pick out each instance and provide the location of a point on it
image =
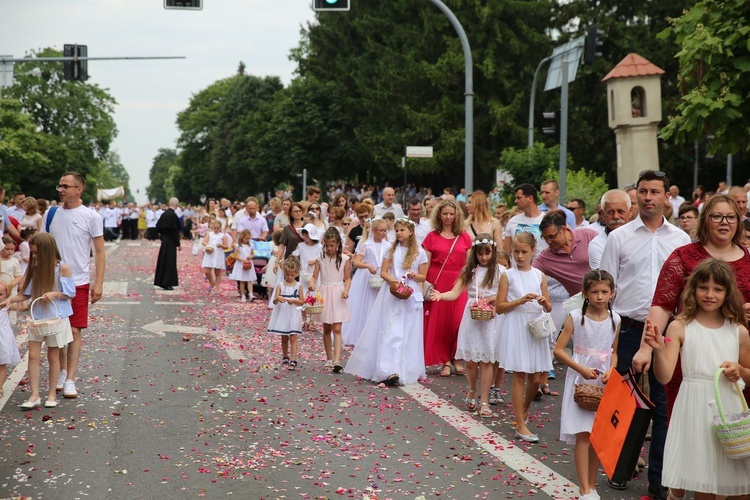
(481, 207)
(525, 237)
(291, 263)
(458, 223)
(411, 244)
(245, 233)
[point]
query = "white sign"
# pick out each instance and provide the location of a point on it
(6, 73)
(419, 151)
(571, 52)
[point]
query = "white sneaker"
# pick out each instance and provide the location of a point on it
(61, 380)
(243, 299)
(69, 390)
(328, 364)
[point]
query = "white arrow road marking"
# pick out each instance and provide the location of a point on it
(15, 378)
(161, 328)
(115, 288)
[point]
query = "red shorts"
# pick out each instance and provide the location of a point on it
(80, 303)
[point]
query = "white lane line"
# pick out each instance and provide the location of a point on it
(15, 378)
(115, 288)
(530, 468)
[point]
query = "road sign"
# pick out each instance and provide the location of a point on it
(419, 151)
(571, 52)
(184, 4)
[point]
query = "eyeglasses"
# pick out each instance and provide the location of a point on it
(718, 218)
(658, 174)
(63, 187)
(688, 217)
(550, 237)
(573, 208)
(345, 223)
(628, 187)
(314, 208)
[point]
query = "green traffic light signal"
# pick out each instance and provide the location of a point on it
(331, 5)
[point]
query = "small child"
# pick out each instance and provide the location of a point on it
(286, 318)
(214, 263)
(594, 330)
(707, 334)
(478, 341)
(498, 374)
(244, 271)
(522, 296)
(23, 248)
(48, 279)
(9, 354)
(334, 270)
(269, 275)
(390, 220)
(308, 253)
(9, 264)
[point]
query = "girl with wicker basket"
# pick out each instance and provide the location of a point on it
(214, 264)
(244, 271)
(334, 270)
(286, 318)
(308, 252)
(594, 330)
(708, 334)
(478, 336)
(391, 347)
(9, 354)
(521, 297)
(49, 284)
(367, 282)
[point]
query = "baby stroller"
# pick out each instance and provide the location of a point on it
(262, 251)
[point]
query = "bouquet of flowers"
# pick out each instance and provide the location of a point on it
(313, 303)
(400, 289)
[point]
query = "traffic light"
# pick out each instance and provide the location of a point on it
(184, 4)
(76, 70)
(330, 5)
(592, 45)
(551, 124)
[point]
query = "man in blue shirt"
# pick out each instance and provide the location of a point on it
(550, 201)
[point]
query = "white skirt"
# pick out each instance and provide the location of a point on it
(60, 340)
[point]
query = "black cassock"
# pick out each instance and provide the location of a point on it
(166, 266)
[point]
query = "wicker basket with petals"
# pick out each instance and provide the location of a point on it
(588, 396)
(47, 326)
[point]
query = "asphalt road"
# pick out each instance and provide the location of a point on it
(182, 396)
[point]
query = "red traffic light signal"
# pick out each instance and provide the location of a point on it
(330, 5)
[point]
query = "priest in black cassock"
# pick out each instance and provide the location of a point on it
(166, 266)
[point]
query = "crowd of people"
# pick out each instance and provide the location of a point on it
(458, 283)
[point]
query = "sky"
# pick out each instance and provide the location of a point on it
(149, 94)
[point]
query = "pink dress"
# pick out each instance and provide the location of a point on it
(335, 308)
(442, 319)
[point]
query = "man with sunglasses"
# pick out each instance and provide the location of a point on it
(76, 229)
(634, 255)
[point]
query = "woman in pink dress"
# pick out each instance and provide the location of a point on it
(447, 247)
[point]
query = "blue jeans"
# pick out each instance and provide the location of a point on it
(628, 344)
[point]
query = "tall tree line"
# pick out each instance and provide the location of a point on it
(390, 74)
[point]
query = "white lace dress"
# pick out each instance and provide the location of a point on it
(693, 457)
(215, 260)
(392, 340)
(479, 340)
(592, 347)
(361, 296)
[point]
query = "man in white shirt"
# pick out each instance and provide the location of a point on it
(675, 199)
(528, 221)
(415, 214)
(614, 214)
(634, 255)
(75, 229)
(110, 222)
(252, 221)
(151, 220)
(389, 205)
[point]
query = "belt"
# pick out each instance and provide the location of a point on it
(628, 323)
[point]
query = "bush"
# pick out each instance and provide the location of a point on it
(582, 184)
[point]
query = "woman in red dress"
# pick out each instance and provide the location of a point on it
(447, 247)
(720, 235)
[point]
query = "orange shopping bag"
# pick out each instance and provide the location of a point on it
(620, 425)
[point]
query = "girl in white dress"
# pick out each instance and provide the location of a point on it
(391, 347)
(9, 354)
(478, 341)
(286, 318)
(522, 296)
(334, 270)
(707, 334)
(214, 263)
(371, 250)
(245, 277)
(308, 252)
(594, 330)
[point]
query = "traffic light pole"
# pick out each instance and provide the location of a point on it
(468, 93)
(533, 98)
(564, 130)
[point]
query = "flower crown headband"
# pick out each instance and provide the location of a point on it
(484, 242)
(405, 220)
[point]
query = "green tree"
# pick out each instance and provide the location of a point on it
(75, 117)
(161, 182)
(582, 184)
(530, 166)
(714, 75)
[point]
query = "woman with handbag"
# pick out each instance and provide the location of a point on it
(447, 247)
(288, 242)
(523, 299)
